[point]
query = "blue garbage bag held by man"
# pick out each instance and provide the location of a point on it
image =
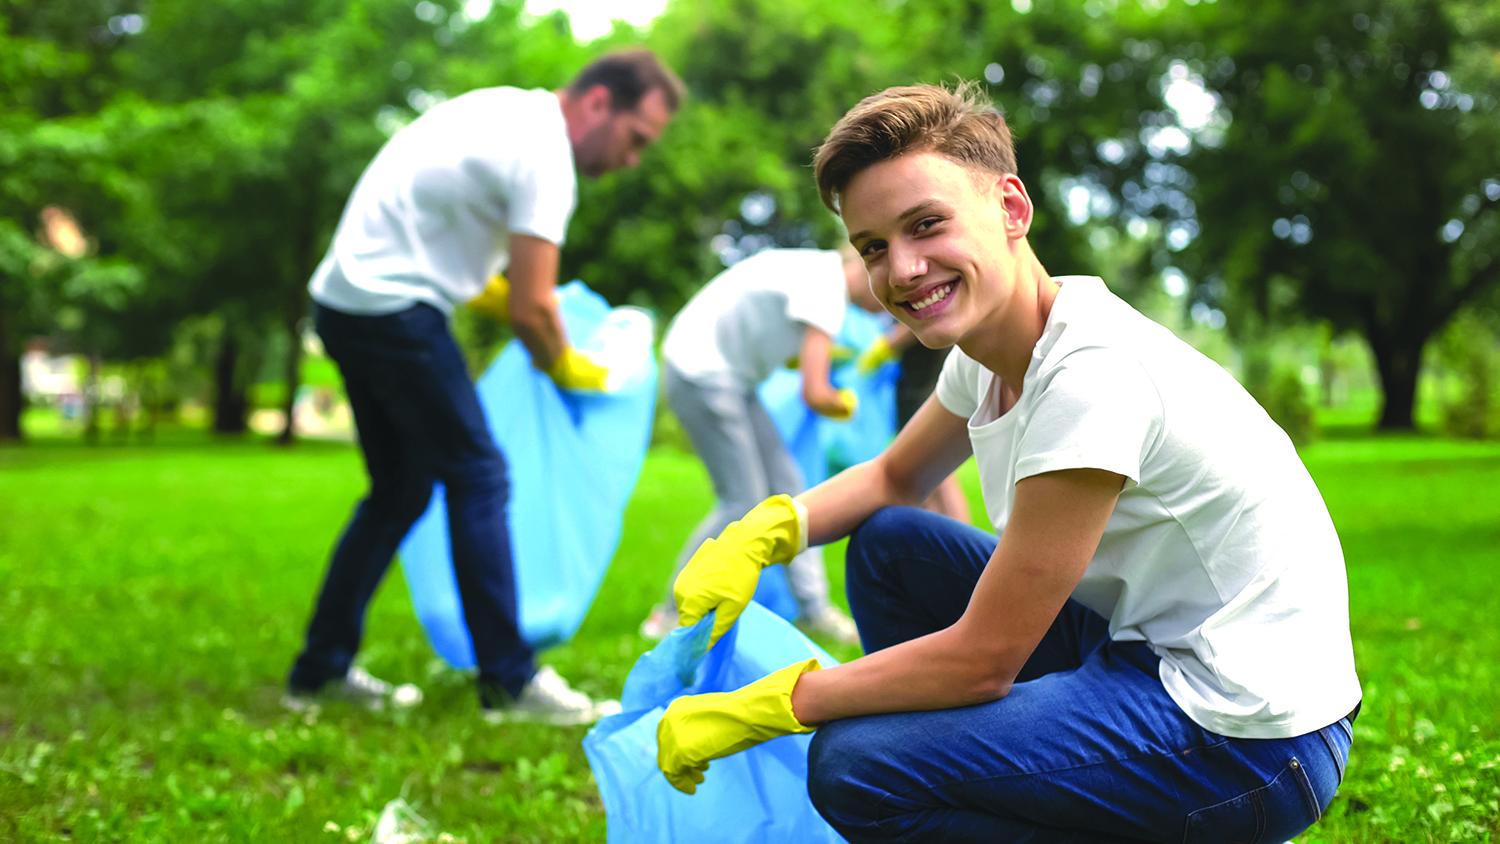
(574, 458)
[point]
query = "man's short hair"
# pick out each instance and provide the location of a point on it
(629, 75)
(960, 124)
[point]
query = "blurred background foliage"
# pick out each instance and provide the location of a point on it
(1308, 193)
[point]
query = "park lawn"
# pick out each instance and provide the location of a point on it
(152, 597)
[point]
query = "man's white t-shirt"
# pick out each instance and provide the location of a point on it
(1220, 553)
(431, 217)
(749, 320)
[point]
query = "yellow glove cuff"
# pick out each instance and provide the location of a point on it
(769, 701)
(801, 525)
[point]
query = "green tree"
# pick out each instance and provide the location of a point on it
(1356, 180)
(56, 67)
(268, 112)
(769, 78)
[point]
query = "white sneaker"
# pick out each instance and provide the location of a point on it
(833, 623)
(661, 621)
(358, 686)
(548, 699)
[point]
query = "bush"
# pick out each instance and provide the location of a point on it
(1284, 396)
(1470, 350)
(1273, 377)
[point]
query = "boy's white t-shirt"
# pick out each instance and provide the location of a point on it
(1220, 553)
(750, 318)
(431, 217)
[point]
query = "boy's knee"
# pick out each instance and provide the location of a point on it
(869, 542)
(880, 525)
(833, 777)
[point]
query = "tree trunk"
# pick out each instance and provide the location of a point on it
(91, 401)
(124, 415)
(10, 382)
(231, 404)
(293, 377)
(1398, 363)
(150, 406)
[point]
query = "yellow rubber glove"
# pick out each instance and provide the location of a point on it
(848, 403)
(574, 370)
(723, 572)
(878, 354)
(699, 728)
(494, 300)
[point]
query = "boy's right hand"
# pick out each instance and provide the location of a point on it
(723, 573)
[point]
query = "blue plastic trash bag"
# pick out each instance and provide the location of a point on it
(757, 795)
(862, 438)
(822, 446)
(868, 433)
(573, 459)
(774, 592)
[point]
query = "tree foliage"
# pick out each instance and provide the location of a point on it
(1356, 181)
(1344, 171)
(56, 72)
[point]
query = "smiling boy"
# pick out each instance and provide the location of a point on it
(1155, 647)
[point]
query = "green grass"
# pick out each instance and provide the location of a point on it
(152, 597)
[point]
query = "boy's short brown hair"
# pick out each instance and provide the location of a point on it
(630, 75)
(961, 124)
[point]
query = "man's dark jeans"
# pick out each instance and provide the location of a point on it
(419, 422)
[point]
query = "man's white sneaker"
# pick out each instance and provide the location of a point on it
(661, 621)
(547, 699)
(360, 687)
(834, 624)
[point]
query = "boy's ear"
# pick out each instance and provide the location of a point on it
(1016, 205)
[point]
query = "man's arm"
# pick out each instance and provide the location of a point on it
(533, 298)
(1056, 523)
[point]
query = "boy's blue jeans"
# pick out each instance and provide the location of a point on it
(419, 422)
(1087, 746)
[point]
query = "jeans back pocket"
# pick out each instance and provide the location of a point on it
(1275, 812)
(1338, 737)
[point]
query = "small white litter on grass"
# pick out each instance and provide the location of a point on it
(400, 824)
